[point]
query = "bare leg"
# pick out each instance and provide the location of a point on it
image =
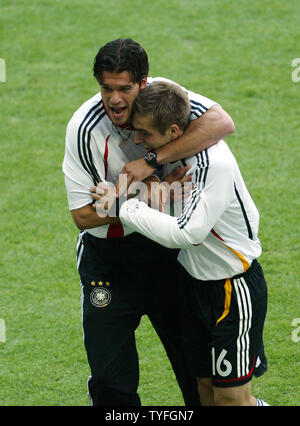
(235, 396)
(205, 390)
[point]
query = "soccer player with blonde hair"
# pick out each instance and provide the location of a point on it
(223, 290)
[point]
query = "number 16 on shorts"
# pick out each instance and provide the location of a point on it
(221, 366)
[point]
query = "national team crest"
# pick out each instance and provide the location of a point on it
(100, 297)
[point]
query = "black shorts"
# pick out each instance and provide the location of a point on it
(123, 279)
(223, 326)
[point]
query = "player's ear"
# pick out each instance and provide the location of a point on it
(143, 83)
(175, 131)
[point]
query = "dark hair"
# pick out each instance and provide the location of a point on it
(122, 55)
(166, 103)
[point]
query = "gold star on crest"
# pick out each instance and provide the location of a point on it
(107, 283)
(93, 283)
(100, 282)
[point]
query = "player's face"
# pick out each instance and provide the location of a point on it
(118, 94)
(147, 135)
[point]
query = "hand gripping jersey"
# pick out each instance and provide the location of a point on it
(96, 150)
(218, 227)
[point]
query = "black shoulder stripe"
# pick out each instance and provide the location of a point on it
(197, 108)
(183, 219)
(200, 179)
(195, 113)
(250, 234)
(92, 118)
(198, 104)
(206, 162)
(86, 139)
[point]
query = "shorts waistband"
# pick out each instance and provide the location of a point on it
(112, 241)
(254, 265)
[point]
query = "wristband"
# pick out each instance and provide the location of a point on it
(151, 158)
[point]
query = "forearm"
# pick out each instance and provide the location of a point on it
(201, 133)
(201, 212)
(155, 225)
(86, 217)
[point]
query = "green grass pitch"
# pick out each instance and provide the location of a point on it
(238, 53)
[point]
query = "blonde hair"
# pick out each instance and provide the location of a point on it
(166, 103)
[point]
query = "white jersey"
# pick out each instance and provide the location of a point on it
(97, 151)
(218, 228)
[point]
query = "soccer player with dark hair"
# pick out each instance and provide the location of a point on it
(123, 274)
